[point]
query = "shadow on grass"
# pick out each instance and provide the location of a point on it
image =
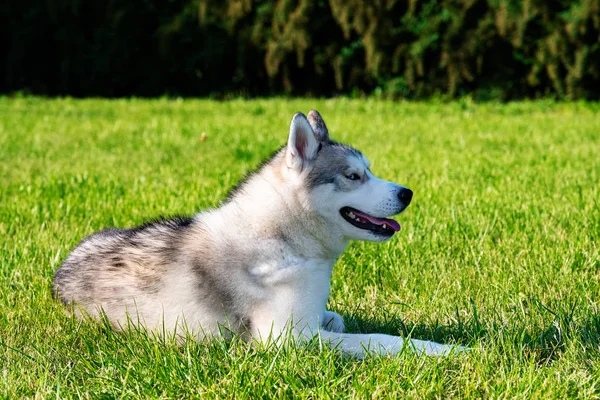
(542, 339)
(461, 333)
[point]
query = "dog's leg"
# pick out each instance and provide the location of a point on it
(333, 322)
(359, 345)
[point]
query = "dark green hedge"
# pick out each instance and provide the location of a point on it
(499, 49)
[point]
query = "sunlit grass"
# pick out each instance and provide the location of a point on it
(498, 251)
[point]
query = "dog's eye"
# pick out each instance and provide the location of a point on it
(353, 177)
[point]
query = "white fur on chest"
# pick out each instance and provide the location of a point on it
(295, 295)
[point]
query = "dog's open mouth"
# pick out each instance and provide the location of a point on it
(382, 226)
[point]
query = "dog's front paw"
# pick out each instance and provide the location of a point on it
(333, 322)
(437, 349)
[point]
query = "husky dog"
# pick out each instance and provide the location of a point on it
(258, 265)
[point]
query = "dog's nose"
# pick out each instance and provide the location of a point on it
(405, 196)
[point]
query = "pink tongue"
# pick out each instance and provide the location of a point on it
(379, 221)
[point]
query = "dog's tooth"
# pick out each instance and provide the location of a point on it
(384, 226)
(351, 214)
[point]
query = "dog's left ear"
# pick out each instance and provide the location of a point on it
(302, 144)
(318, 126)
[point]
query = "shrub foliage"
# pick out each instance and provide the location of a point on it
(499, 49)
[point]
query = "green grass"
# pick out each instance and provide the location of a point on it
(499, 250)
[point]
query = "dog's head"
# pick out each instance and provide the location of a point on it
(338, 183)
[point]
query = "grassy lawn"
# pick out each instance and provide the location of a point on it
(498, 251)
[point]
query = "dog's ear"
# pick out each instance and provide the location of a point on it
(302, 144)
(318, 126)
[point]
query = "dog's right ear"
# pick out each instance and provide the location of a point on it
(302, 144)
(318, 125)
